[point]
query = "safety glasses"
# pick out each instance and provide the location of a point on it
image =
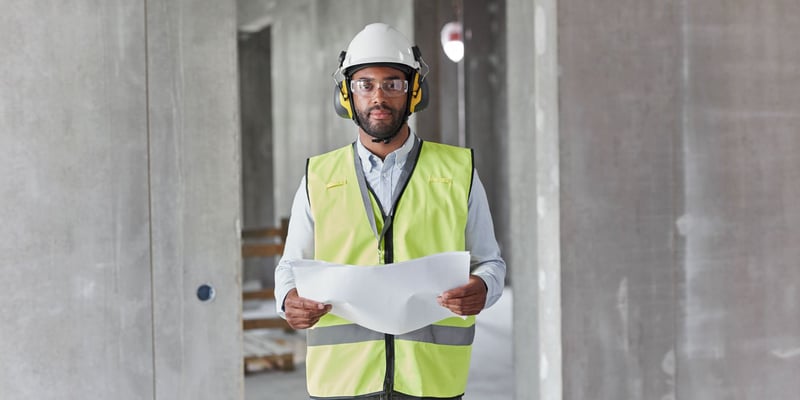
(390, 87)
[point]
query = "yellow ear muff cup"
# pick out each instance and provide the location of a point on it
(341, 101)
(419, 95)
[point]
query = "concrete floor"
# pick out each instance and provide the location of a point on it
(491, 374)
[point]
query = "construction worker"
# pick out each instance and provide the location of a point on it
(388, 197)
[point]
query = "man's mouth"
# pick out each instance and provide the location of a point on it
(380, 113)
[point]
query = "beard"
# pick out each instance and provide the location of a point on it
(380, 129)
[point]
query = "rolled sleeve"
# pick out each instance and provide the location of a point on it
(485, 259)
(299, 245)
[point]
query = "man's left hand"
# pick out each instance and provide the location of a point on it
(465, 300)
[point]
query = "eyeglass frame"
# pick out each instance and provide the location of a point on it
(382, 87)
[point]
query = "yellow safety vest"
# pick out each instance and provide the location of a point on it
(346, 360)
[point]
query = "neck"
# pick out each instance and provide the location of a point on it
(380, 148)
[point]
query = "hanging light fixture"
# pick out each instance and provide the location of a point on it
(453, 41)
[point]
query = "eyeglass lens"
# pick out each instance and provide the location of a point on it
(391, 87)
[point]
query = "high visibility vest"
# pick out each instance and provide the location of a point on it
(347, 360)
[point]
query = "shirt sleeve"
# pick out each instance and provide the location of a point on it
(485, 259)
(299, 245)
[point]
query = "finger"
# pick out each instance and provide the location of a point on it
(465, 311)
(457, 293)
(295, 300)
(464, 306)
(303, 314)
(303, 303)
(307, 309)
(464, 290)
(470, 305)
(470, 289)
(471, 309)
(304, 318)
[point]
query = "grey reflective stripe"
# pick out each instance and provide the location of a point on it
(340, 334)
(352, 333)
(395, 396)
(362, 184)
(438, 334)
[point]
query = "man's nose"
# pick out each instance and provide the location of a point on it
(378, 93)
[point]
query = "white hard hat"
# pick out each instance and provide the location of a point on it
(379, 43)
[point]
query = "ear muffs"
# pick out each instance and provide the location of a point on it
(418, 99)
(341, 100)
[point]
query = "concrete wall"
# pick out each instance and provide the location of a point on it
(195, 182)
(620, 126)
(532, 162)
(75, 256)
(739, 335)
(119, 130)
(677, 165)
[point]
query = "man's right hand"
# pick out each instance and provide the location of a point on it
(302, 313)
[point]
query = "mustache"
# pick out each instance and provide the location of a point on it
(380, 107)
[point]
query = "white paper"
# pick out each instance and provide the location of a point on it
(393, 298)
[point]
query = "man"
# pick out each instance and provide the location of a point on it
(386, 198)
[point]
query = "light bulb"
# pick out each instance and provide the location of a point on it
(452, 42)
(454, 50)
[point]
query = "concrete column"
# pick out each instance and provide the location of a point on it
(676, 170)
(195, 183)
(533, 175)
(619, 117)
(76, 308)
(738, 329)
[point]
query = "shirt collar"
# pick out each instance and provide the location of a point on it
(370, 161)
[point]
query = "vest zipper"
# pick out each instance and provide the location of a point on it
(388, 382)
(388, 258)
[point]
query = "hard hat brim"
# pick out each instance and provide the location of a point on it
(408, 71)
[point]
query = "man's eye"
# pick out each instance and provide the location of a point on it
(366, 85)
(393, 85)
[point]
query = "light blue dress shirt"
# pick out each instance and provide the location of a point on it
(382, 176)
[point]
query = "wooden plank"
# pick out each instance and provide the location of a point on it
(262, 233)
(262, 352)
(282, 362)
(265, 323)
(261, 249)
(277, 232)
(263, 294)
